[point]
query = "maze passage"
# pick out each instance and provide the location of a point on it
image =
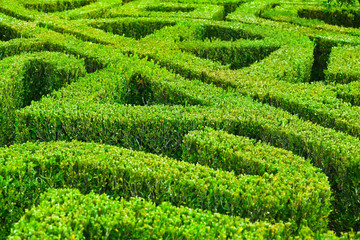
(240, 116)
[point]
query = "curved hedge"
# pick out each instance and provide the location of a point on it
(66, 213)
(285, 175)
(29, 169)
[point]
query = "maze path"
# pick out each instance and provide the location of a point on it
(96, 107)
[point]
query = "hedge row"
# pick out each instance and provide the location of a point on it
(266, 80)
(54, 42)
(7, 33)
(145, 8)
(160, 129)
(26, 78)
(323, 100)
(229, 5)
(346, 17)
(32, 10)
(349, 93)
(285, 16)
(20, 45)
(29, 169)
(18, 10)
(96, 9)
(344, 65)
(237, 54)
(56, 5)
(66, 213)
(284, 173)
(250, 12)
(132, 27)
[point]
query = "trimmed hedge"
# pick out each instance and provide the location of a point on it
(96, 9)
(29, 169)
(344, 65)
(55, 5)
(146, 8)
(26, 78)
(129, 126)
(346, 17)
(66, 213)
(276, 80)
(17, 46)
(17, 10)
(135, 28)
(285, 174)
(159, 129)
(349, 92)
(284, 15)
(237, 54)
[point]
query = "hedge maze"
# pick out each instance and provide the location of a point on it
(179, 119)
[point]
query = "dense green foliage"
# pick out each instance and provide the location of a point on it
(125, 173)
(68, 214)
(212, 108)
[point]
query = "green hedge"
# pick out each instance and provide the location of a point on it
(18, 10)
(26, 78)
(159, 129)
(285, 15)
(347, 17)
(276, 80)
(146, 8)
(20, 45)
(7, 33)
(66, 213)
(237, 54)
(349, 92)
(29, 169)
(285, 174)
(135, 28)
(55, 5)
(96, 9)
(344, 65)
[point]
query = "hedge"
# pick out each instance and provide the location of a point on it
(20, 45)
(92, 10)
(55, 5)
(346, 17)
(344, 65)
(29, 169)
(26, 78)
(288, 16)
(285, 174)
(66, 213)
(135, 28)
(276, 80)
(162, 9)
(237, 54)
(160, 129)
